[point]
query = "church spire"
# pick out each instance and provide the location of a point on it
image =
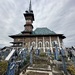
(29, 17)
(30, 6)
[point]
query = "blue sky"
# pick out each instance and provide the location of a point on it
(57, 15)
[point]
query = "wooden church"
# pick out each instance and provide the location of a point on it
(40, 38)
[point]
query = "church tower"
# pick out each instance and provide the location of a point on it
(29, 17)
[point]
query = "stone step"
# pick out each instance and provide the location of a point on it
(57, 72)
(39, 69)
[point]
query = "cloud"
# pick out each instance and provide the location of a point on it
(57, 15)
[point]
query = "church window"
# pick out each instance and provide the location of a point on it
(46, 44)
(40, 44)
(33, 43)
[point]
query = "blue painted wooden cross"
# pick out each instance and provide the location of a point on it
(11, 68)
(24, 54)
(31, 48)
(37, 52)
(56, 53)
(49, 52)
(63, 60)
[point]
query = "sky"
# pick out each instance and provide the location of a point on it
(57, 15)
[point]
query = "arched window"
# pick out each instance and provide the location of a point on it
(40, 44)
(46, 44)
(33, 43)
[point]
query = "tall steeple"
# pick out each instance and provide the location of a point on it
(30, 6)
(29, 17)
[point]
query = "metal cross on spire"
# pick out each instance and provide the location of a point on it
(30, 6)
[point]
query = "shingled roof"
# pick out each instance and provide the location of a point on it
(39, 32)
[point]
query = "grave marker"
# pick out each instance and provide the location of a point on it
(37, 52)
(31, 48)
(49, 52)
(63, 61)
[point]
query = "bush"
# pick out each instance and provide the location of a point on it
(3, 67)
(71, 69)
(43, 55)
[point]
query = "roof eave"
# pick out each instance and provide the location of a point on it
(60, 35)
